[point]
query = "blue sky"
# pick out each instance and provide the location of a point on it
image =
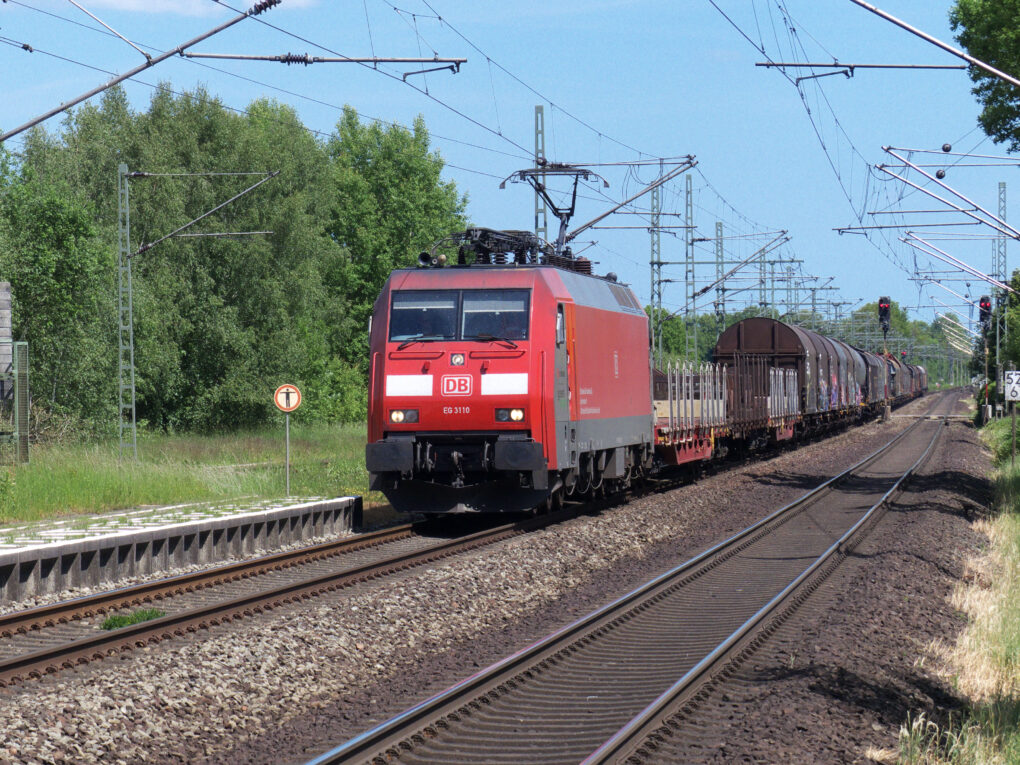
(619, 81)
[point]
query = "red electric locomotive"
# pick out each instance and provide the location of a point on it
(500, 382)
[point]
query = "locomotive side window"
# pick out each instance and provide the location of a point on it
(428, 314)
(561, 331)
(495, 313)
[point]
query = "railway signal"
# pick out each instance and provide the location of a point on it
(884, 307)
(985, 310)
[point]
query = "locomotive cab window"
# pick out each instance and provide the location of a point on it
(428, 314)
(459, 315)
(495, 313)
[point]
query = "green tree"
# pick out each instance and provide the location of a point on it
(62, 288)
(990, 31)
(219, 322)
(389, 204)
(223, 321)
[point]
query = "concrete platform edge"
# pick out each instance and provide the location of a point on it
(106, 558)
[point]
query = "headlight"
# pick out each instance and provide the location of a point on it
(457, 360)
(404, 415)
(509, 415)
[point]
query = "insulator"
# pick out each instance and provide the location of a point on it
(265, 5)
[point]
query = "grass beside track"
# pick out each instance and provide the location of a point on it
(64, 480)
(986, 659)
(117, 621)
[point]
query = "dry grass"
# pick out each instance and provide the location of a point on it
(988, 653)
(887, 756)
(984, 663)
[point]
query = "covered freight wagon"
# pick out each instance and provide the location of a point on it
(821, 373)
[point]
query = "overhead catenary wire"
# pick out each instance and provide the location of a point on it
(438, 137)
(938, 43)
(599, 133)
(235, 75)
(425, 93)
(529, 87)
(114, 31)
(882, 241)
(253, 12)
(177, 231)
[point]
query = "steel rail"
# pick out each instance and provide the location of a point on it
(390, 734)
(146, 592)
(630, 737)
(80, 651)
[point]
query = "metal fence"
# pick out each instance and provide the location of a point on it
(14, 402)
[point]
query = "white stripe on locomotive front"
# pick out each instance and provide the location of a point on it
(504, 384)
(408, 385)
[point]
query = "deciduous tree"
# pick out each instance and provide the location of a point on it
(990, 31)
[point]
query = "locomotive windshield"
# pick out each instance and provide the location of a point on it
(459, 315)
(427, 314)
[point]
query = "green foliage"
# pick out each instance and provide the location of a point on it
(63, 293)
(117, 621)
(990, 31)
(7, 485)
(693, 339)
(219, 322)
(390, 203)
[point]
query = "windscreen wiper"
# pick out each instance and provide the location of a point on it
(419, 339)
(492, 339)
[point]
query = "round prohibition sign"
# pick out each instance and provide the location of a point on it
(287, 398)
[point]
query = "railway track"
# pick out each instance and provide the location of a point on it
(44, 640)
(601, 689)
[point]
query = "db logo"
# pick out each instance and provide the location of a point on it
(456, 385)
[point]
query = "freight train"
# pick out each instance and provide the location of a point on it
(513, 377)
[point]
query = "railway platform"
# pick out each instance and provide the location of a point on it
(59, 554)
